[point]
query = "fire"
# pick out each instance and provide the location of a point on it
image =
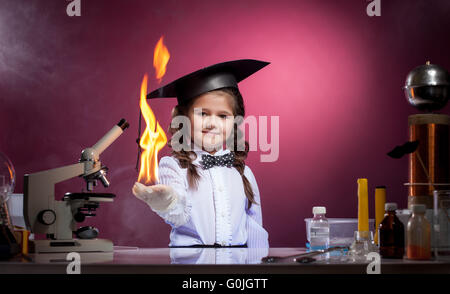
(161, 57)
(152, 140)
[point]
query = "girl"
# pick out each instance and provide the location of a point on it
(208, 195)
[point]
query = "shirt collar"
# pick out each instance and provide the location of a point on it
(200, 152)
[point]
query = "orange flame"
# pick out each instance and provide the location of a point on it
(152, 140)
(161, 57)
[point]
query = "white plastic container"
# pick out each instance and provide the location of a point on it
(15, 207)
(341, 230)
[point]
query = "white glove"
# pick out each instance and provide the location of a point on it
(158, 197)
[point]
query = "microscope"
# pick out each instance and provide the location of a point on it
(57, 219)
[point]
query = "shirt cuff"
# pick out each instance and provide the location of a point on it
(178, 213)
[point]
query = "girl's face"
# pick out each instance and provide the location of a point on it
(212, 120)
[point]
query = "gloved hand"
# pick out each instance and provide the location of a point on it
(158, 197)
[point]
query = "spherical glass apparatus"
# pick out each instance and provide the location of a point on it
(8, 243)
(7, 178)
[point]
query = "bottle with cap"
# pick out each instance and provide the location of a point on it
(392, 234)
(319, 229)
(418, 235)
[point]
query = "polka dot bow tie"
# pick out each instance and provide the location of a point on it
(209, 161)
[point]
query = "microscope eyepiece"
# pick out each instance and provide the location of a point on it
(123, 124)
(110, 136)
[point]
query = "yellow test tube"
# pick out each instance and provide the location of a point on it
(363, 206)
(25, 236)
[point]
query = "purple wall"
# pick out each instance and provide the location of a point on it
(335, 82)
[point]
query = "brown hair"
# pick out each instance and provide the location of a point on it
(186, 158)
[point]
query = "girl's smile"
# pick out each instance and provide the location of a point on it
(211, 117)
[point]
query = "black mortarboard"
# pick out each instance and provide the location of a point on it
(221, 75)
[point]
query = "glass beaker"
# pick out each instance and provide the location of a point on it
(441, 223)
(363, 244)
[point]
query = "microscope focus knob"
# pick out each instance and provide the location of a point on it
(46, 217)
(79, 217)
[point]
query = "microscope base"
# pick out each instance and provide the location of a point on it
(74, 245)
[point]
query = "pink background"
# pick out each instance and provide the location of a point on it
(335, 80)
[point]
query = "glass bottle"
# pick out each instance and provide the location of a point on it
(392, 234)
(418, 234)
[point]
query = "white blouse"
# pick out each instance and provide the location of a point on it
(217, 211)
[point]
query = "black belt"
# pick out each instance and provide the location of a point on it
(210, 246)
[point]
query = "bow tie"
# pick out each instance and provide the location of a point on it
(209, 161)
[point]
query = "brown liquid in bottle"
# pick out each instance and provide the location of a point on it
(392, 236)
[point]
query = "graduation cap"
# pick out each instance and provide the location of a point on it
(214, 77)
